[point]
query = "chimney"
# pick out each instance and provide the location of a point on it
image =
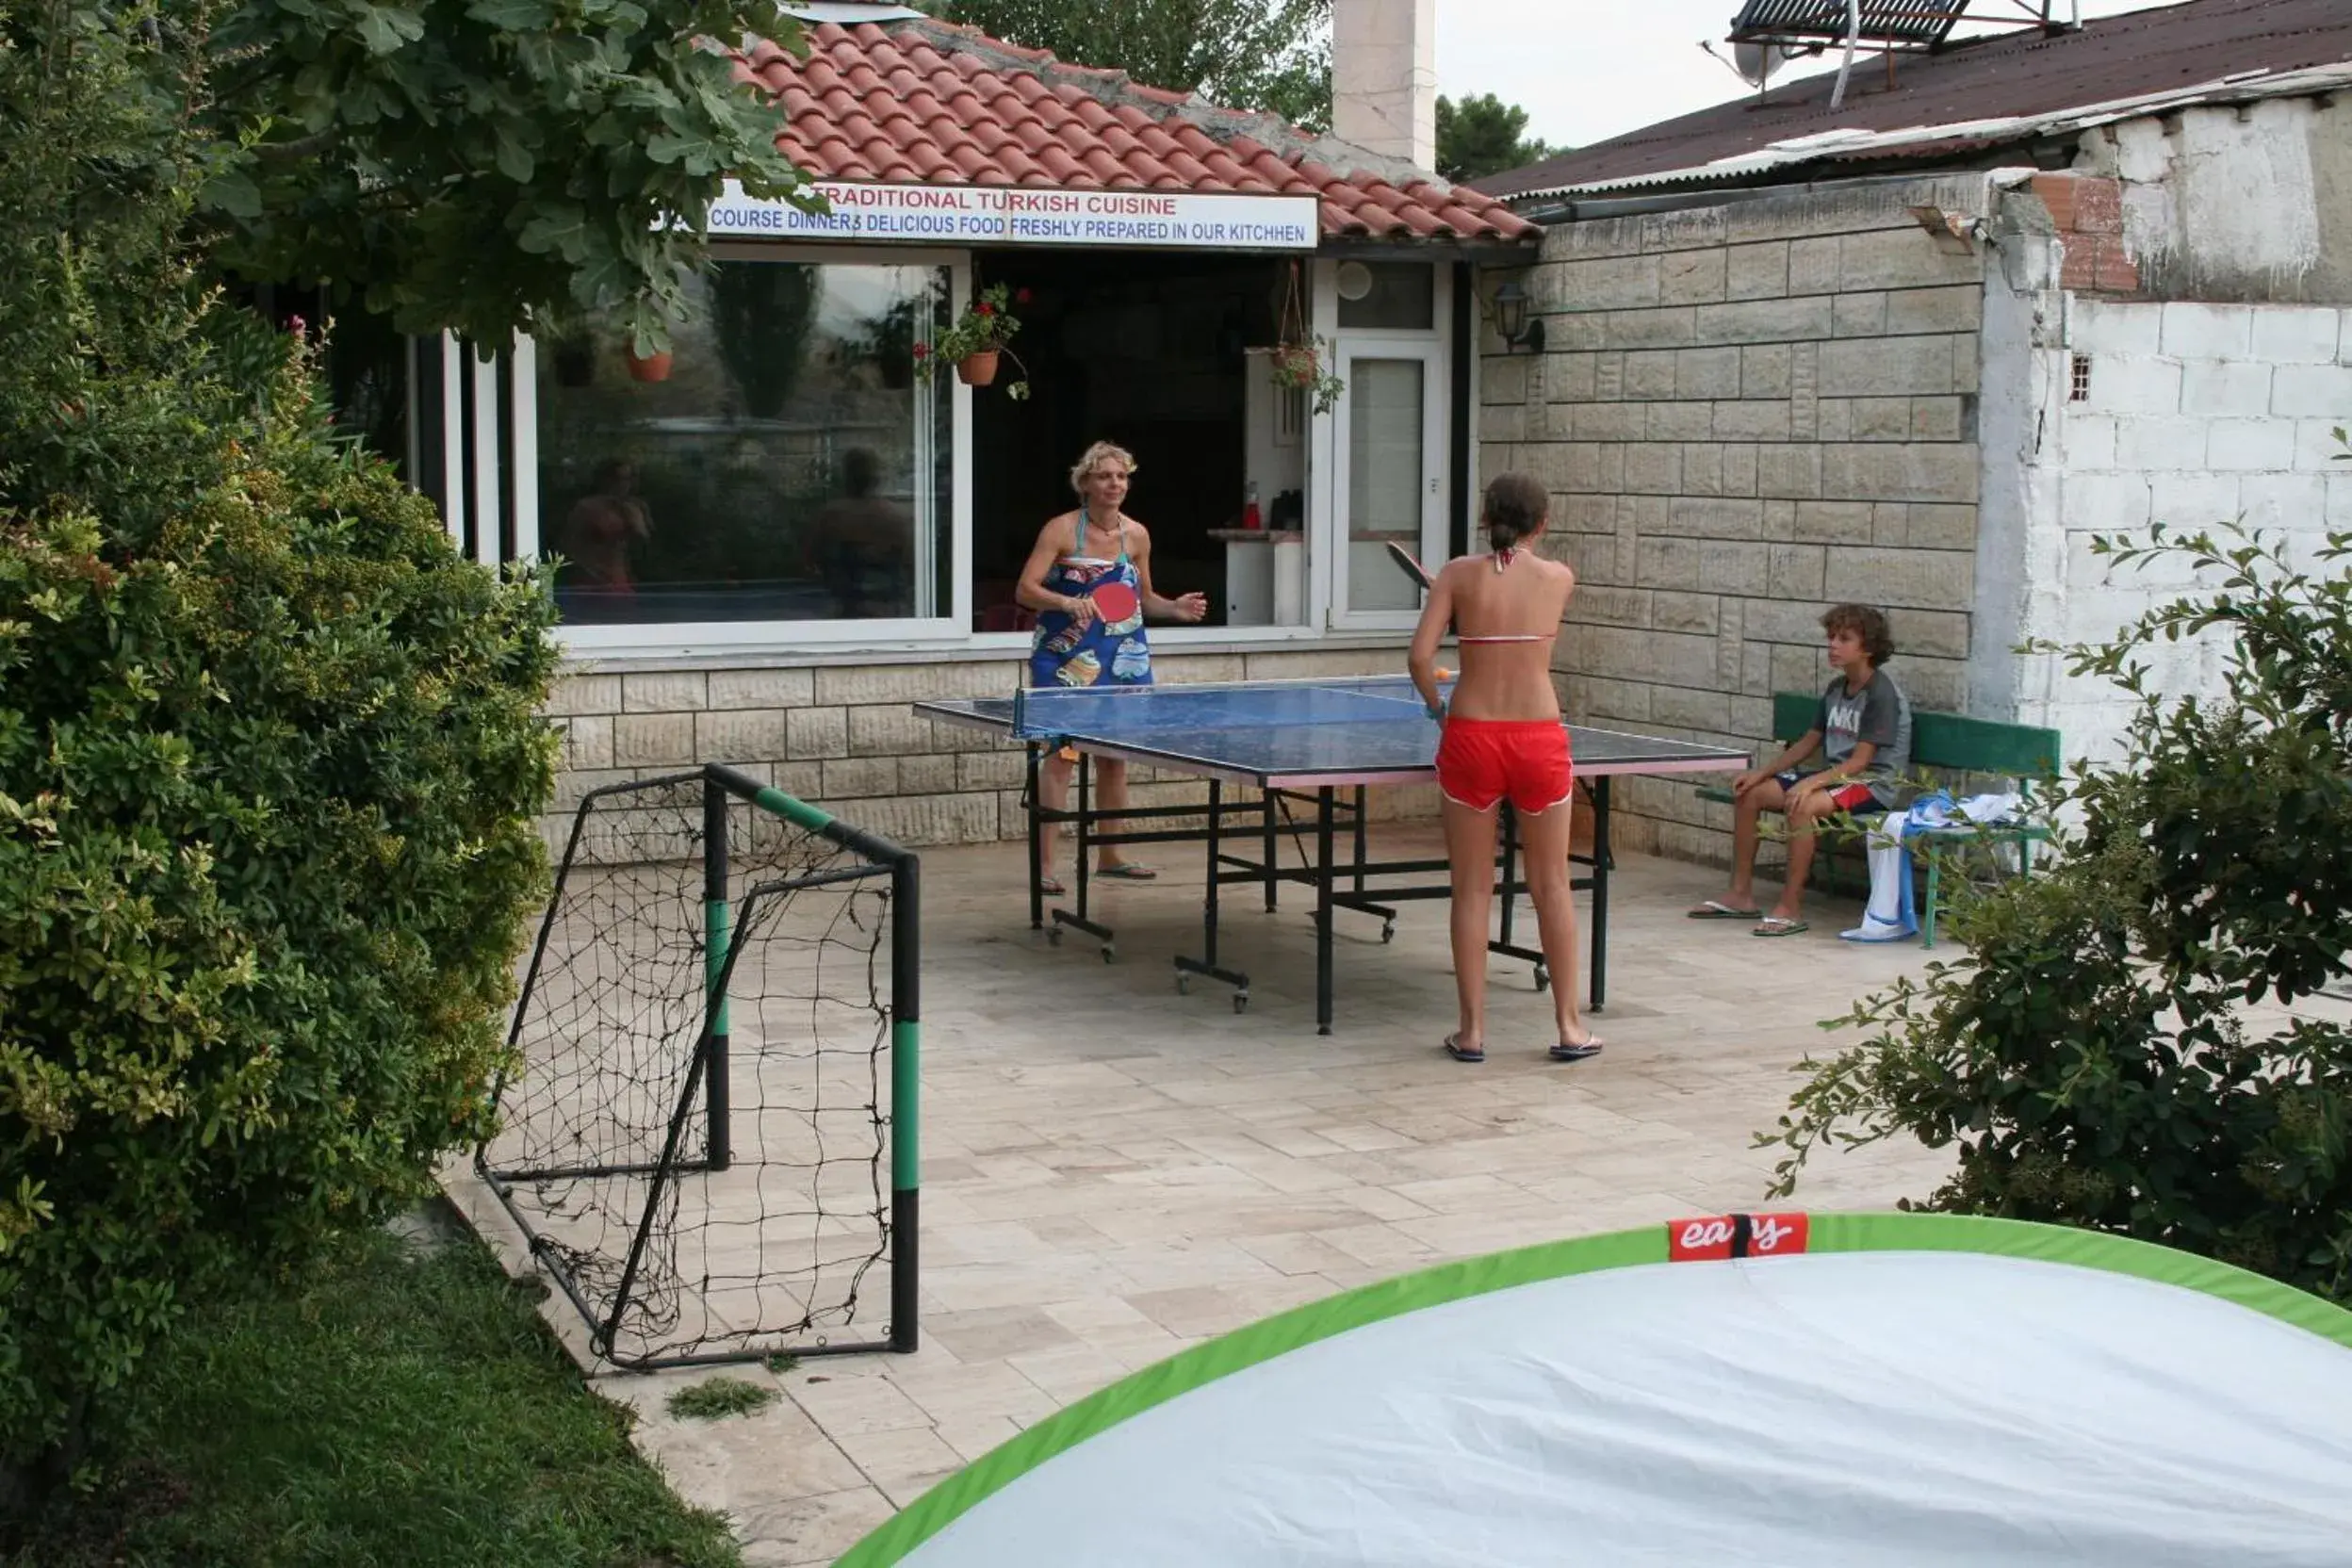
(1384, 77)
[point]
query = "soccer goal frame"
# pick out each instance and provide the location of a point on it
(698, 1138)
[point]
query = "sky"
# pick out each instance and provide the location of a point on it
(1619, 64)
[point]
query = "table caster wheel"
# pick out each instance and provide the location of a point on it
(1241, 1002)
(1388, 931)
(1184, 985)
(1543, 978)
(1052, 936)
(1109, 953)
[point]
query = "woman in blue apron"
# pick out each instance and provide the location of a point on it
(1089, 581)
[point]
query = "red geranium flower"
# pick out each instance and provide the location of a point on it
(1021, 297)
(984, 308)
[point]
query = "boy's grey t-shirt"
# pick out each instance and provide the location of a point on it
(1879, 714)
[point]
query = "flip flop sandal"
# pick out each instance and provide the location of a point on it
(1460, 1052)
(1563, 1052)
(1127, 870)
(1051, 887)
(1717, 909)
(1775, 925)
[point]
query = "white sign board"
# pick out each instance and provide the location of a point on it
(985, 215)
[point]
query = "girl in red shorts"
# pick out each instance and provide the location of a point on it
(1502, 739)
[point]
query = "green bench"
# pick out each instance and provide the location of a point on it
(1955, 744)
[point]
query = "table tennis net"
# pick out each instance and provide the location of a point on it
(1051, 712)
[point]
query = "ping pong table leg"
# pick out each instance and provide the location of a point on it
(1207, 964)
(1268, 798)
(1078, 917)
(1510, 869)
(1208, 919)
(1599, 960)
(1036, 844)
(1359, 844)
(1323, 911)
(1086, 822)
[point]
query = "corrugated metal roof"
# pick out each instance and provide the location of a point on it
(1972, 94)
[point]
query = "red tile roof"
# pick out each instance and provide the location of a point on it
(1990, 93)
(925, 102)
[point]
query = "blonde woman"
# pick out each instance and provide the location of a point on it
(1089, 581)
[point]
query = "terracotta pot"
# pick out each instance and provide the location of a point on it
(978, 369)
(650, 367)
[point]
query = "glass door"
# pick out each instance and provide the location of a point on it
(1392, 479)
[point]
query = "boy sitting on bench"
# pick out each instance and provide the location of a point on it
(1863, 734)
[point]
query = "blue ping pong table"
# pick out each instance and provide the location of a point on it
(1317, 744)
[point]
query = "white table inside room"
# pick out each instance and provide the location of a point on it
(1266, 574)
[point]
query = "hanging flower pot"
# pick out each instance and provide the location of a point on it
(974, 343)
(647, 366)
(1298, 363)
(1305, 367)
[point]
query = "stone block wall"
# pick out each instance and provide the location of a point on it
(1744, 414)
(846, 737)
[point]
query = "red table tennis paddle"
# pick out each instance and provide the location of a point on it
(1115, 602)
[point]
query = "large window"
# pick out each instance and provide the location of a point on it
(789, 467)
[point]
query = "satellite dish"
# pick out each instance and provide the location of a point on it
(1756, 62)
(1354, 280)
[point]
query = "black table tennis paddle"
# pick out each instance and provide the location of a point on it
(1411, 567)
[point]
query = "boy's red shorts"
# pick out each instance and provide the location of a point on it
(1846, 797)
(1480, 761)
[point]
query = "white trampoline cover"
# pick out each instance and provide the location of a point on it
(1890, 1405)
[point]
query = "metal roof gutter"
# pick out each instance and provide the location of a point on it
(1761, 162)
(1591, 208)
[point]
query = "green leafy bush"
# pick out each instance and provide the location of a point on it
(2092, 1061)
(269, 754)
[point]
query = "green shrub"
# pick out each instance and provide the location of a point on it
(2091, 1062)
(269, 754)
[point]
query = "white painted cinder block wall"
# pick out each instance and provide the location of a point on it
(2195, 414)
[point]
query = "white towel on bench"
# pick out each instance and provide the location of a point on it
(1890, 916)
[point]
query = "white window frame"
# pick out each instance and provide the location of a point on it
(1327, 565)
(692, 638)
(1326, 617)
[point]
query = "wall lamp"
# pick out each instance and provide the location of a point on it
(1511, 319)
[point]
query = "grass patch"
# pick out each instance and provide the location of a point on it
(719, 1396)
(396, 1411)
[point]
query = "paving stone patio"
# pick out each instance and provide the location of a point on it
(1113, 1171)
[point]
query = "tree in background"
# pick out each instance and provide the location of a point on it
(478, 165)
(1268, 55)
(269, 759)
(1481, 135)
(2093, 1061)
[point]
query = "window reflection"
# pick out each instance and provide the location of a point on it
(789, 468)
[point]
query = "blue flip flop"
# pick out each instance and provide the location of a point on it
(1460, 1052)
(1563, 1052)
(1127, 870)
